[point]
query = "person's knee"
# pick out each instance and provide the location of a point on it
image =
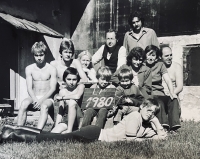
(89, 111)
(72, 103)
(44, 108)
(103, 111)
(24, 105)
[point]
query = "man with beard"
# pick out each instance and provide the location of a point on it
(114, 55)
(41, 84)
(139, 36)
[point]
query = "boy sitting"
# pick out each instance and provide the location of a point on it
(103, 75)
(69, 96)
(128, 96)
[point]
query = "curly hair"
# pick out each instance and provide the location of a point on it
(136, 52)
(135, 14)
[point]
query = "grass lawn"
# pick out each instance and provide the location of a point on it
(186, 144)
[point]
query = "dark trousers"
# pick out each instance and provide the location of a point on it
(90, 113)
(169, 112)
(84, 134)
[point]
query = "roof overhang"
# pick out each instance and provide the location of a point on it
(30, 26)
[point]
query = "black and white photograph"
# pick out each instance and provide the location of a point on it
(100, 79)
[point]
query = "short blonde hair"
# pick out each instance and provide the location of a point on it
(87, 53)
(39, 47)
(104, 72)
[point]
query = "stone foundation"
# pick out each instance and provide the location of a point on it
(190, 103)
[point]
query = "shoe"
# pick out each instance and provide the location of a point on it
(7, 131)
(19, 133)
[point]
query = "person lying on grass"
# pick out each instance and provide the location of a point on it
(135, 126)
(70, 99)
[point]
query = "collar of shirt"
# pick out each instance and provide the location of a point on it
(143, 31)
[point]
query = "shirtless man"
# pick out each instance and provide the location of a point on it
(174, 69)
(67, 51)
(41, 84)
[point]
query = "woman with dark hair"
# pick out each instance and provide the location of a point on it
(169, 114)
(142, 74)
(139, 35)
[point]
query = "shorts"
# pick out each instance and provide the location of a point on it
(30, 107)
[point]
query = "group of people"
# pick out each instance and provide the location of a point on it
(147, 85)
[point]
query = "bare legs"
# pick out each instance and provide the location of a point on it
(44, 113)
(22, 115)
(66, 128)
(21, 119)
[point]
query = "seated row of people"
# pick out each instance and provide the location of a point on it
(150, 74)
(142, 75)
(71, 79)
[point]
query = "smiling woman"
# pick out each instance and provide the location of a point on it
(141, 74)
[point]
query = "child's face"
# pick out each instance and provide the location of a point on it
(85, 61)
(147, 113)
(136, 62)
(103, 83)
(151, 57)
(71, 81)
(67, 55)
(125, 83)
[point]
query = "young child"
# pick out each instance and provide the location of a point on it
(135, 126)
(70, 97)
(103, 75)
(128, 96)
(85, 58)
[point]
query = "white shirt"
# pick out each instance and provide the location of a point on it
(98, 56)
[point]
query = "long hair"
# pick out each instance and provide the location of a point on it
(135, 14)
(136, 52)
